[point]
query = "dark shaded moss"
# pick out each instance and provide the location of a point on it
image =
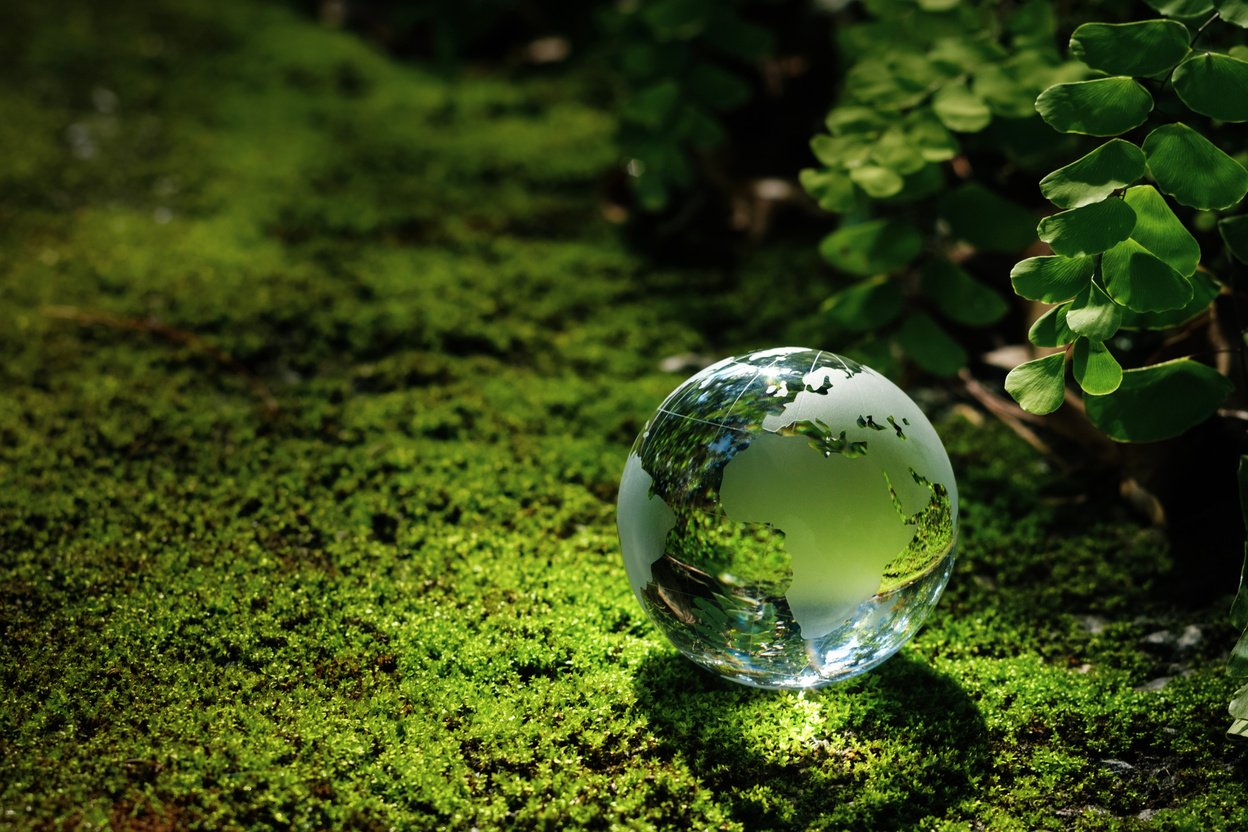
(398, 602)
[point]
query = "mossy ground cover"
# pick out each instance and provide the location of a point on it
(395, 599)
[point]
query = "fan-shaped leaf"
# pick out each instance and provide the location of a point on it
(1088, 230)
(960, 109)
(1145, 47)
(987, 221)
(1233, 11)
(1204, 290)
(872, 247)
(1187, 166)
(1181, 8)
(1103, 107)
(1161, 232)
(894, 151)
(960, 297)
(1095, 368)
(842, 151)
(849, 119)
(1139, 280)
(1159, 402)
(1234, 231)
(1052, 279)
(866, 305)
(876, 181)
(1094, 314)
(926, 134)
(1050, 329)
(1214, 85)
(1039, 386)
(832, 189)
(929, 346)
(1111, 166)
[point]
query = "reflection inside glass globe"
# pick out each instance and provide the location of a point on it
(788, 518)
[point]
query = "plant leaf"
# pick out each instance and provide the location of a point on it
(1239, 609)
(1146, 47)
(929, 346)
(1139, 280)
(841, 151)
(1159, 402)
(1238, 663)
(717, 88)
(866, 305)
(987, 221)
(1181, 8)
(1234, 231)
(1204, 290)
(960, 297)
(961, 110)
(1233, 11)
(677, 19)
(876, 181)
(1191, 169)
(872, 247)
(1161, 232)
(1094, 314)
(1095, 368)
(1051, 329)
(1103, 107)
(1111, 166)
(832, 189)
(894, 151)
(1052, 279)
(1214, 85)
(1088, 230)
(1039, 386)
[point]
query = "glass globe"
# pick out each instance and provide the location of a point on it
(788, 518)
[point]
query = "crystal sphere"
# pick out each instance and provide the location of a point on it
(788, 518)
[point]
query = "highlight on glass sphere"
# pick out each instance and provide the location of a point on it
(788, 518)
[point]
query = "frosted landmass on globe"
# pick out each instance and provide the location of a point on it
(788, 518)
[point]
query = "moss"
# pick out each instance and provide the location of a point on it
(399, 601)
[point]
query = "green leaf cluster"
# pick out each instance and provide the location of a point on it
(676, 61)
(1122, 258)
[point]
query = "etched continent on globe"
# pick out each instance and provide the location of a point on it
(788, 517)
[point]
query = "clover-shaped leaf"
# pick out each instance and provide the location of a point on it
(1052, 279)
(1102, 107)
(1039, 386)
(1093, 177)
(1191, 169)
(1095, 368)
(1146, 47)
(1088, 230)
(1139, 280)
(1214, 85)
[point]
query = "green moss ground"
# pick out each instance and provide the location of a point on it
(398, 601)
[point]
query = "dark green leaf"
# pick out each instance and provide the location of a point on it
(872, 247)
(1139, 280)
(728, 34)
(1095, 368)
(1214, 85)
(928, 345)
(1187, 166)
(698, 127)
(1239, 610)
(1159, 402)
(1039, 386)
(1161, 232)
(717, 88)
(1093, 314)
(1104, 107)
(1238, 664)
(960, 109)
(1051, 329)
(866, 305)
(1146, 47)
(1052, 279)
(832, 189)
(1239, 707)
(960, 297)
(652, 106)
(1234, 231)
(1204, 290)
(1111, 166)
(1181, 8)
(1088, 230)
(1233, 11)
(876, 181)
(677, 19)
(987, 221)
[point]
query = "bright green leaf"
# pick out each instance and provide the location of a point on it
(832, 189)
(1204, 290)
(928, 345)
(1139, 280)
(1233, 11)
(872, 247)
(841, 151)
(1161, 232)
(929, 137)
(1111, 166)
(1088, 230)
(1052, 279)
(1095, 368)
(1094, 314)
(1191, 169)
(1103, 107)
(1159, 402)
(1234, 231)
(1214, 85)
(959, 296)
(960, 109)
(987, 221)
(1146, 47)
(866, 305)
(894, 151)
(1051, 329)
(1039, 386)
(1181, 8)
(938, 5)
(877, 182)
(852, 119)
